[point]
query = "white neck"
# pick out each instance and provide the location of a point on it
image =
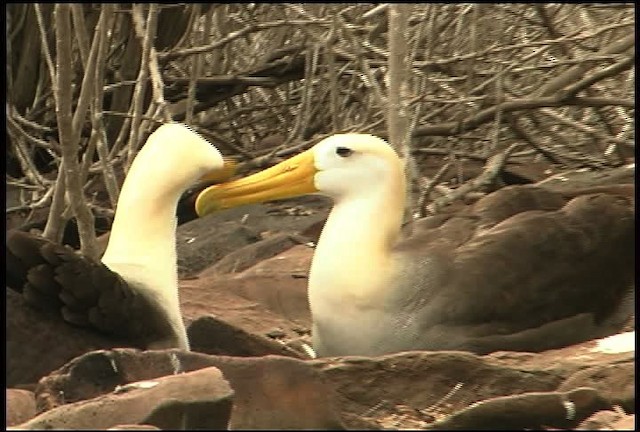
(142, 246)
(357, 237)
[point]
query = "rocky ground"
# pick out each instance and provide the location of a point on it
(243, 291)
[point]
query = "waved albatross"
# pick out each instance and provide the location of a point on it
(525, 270)
(132, 294)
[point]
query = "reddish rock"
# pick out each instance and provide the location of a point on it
(196, 400)
(279, 284)
(609, 420)
(279, 393)
(295, 262)
(21, 406)
(271, 392)
(626, 422)
(268, 299)
(216, 297)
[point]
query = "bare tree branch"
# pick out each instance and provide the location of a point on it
(80, 29)
(267, 81)
(575, 73)
(141, 85)
(44, 43)
(426, 191)
(55, 222)
(453, 128)
(398, 93)
(236, 35)
(98, 134)
(491, 170)
(157, 84)
(196, 64)
(63, 94)
(610, 71)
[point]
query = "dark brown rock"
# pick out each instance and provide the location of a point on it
(271, 392)
(415, 389)
(374, 386)
(614, 381)
(526, 411)
(39, 342)
(201, 399)
(312, 232)
(199, 247)
(249, 255)
(564, 361)
(203, 242)
(211, 335)
(21, 406)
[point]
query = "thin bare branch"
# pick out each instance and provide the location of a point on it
(26, 163)
(157, 84)
(398, 94)
(576, 72)
(53, 229)
(89, 77)
(45, 43)
(80, 29)
(453, 128)
(491, 170)
(98, 133)
(196, 64)
(607, 72)
(167, 56)
(426, 191)
(141, 85)
(63, 94)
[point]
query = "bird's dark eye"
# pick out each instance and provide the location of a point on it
(344, 151)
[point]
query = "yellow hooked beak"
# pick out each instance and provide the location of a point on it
(223, 174)
(289, 178)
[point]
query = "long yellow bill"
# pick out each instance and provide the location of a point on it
(289, 178)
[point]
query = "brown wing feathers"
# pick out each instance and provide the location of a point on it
(84, 292)
(541, 272)
(578, 259)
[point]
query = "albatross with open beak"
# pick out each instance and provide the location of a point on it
(132, 293)
(542, 272)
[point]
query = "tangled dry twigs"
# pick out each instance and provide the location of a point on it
(264, 81)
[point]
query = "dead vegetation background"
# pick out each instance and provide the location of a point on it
(87, 83)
